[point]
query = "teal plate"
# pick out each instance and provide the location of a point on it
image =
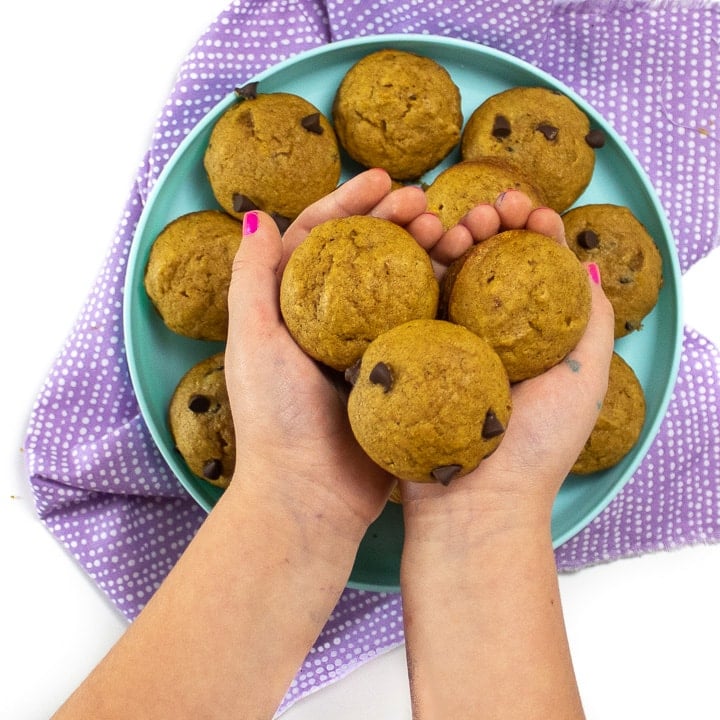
(158, 358)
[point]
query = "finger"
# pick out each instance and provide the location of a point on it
(547, 222)
(601, 325)
(253, 301)
(574, 389)
(592, 355)
(401, 206)
(357, 196)
(483, 221)
(451, 245)
(513, 207)
(427, 230)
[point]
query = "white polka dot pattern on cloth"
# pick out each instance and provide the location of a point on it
(653, 74)
(101, 486)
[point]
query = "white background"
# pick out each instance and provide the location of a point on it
(82, 85)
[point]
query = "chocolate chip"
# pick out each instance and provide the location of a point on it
(549, 131)
(199, 404)
(637, 261)
(352, 373)
(312, 123)
(595, 138)
(630, 327)
(281, 221)
(247, 92)
(492, 427)
(501, 127)
(444, 474)
(625, 280)
(212, 469)
(381, 374)
(242, 203)
(587, 239)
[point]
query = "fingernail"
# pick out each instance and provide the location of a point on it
(594, 272)
(250, 222)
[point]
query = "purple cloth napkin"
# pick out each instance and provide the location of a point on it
(651, 68)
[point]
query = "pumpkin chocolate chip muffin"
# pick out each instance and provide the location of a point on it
(527, 295)
(540, 132)
(430, 400)
(187, 275)
(619, 424)
(274, 152)
(460, 187)
(201, 422)
(629, 261)
(350, 280)
(398, 111)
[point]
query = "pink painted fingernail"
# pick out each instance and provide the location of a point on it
(250, 222)
(594, 272)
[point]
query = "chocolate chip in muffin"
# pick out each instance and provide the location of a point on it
(212, 469)
(595, 138)
(549, 131)
(352, 373)
(312, 123)
(242, 203)
(382, 375)
(247, 92)
(492, 427)
(501, 127)
(199, 404)
(445, 473)
(588, 240)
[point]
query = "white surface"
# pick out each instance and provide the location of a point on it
(80, 99)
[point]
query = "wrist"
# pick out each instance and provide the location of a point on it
(459, 540)
(297, 506)
(475, 505)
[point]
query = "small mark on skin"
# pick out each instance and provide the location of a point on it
(574, 365)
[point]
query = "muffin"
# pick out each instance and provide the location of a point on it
(460, 187)
(629, 261)
(274, 152)
(350, 280)
(201, 422)
(187, 275)
(430, 400)
(524, 293)
(398, 111)
(541, 133)
(619, 424)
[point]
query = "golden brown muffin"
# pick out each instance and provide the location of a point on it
(542, 133)
(274, 152)
(351, 279)
(398, 111)
(430, 400)
(188, 273)
(629, 261)
(201, 422)
(619, 424)
(460, 187)
(528, 296)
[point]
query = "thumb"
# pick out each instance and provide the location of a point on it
(253, 302)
